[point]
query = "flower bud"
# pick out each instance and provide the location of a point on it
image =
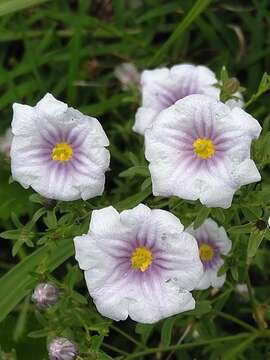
(128, 75)
(7, 356)
(261, 224)
(45, 295)
(62, 349)
(231, 85)
(5, 142)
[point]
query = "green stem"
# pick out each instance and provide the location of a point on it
(236, 321)
(253, 302)
(127, 336)
(115, 349)
(189, 345)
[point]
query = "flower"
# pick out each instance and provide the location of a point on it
(58, 151)
(161, 88)
(128, 75)
(45, 295)
(5, 142)
(62, 349)
(199, 148)
(213, 242)
(139, 263)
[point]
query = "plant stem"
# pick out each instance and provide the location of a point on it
(189, 345)
(127, 336)
(253, 302)
(187, 330)
(115, 349)
(236, 321)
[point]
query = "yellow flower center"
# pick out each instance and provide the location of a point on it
(204, 148)
(206, 252)
(62, 152)
(141, 258)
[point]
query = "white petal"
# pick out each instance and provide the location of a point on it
(83, 251)
(136, 215)
(24, 118)
(239, 102)
(50, 106)
(168, 302)
(97, 136)
(218, 281)
(144, 119)
(244, 121)
(205, 281)
(105, 221)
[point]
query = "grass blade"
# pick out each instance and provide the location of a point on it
(10, 6)
(15, 284)
(195, 11)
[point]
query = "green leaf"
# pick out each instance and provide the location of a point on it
(201, 216)
(254, 242)
(241, 229)
(202, 307)
(233, 352)
(159, 11)
(134, 171)
(38, 333)
(166, 331)
(262, 88)
(10, 6)
(22, 319)
(50, 220)
(15, 284)
(218, 214)
(144, 330)
(133, 200)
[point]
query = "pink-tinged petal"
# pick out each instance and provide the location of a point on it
(163, 87)
(46, 128)
(214, 236)
(175, 166)
(117, 287)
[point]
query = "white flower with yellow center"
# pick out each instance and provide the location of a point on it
(213, 242)
(162, 87)
(139, 263)
(58, 151)
(199, 148)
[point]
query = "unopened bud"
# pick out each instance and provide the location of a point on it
(231, 85)
(261, 224)
(45, 295)
(7, 356)
(128, 75)
(62, 349)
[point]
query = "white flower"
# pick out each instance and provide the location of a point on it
(199, 148)
(161, 88)
(128, 75)
(5, 142)
(212, 241)
(58, 151)
(139, 263)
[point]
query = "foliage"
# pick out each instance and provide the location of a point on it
(70, 48)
